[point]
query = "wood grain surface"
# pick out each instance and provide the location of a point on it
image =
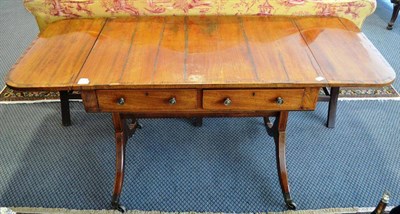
(149, 100)
(200, 52)
(345, 56)
(262, 99)
(54, 60)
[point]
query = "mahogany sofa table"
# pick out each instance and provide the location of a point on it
(200, 66)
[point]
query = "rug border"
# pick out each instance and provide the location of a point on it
(4, 88)
(30, 210)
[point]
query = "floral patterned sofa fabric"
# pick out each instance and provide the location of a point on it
(47, 11)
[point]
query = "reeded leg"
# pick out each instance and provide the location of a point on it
(396, 9)
(279, 134)
(121, 138)
(65, 114)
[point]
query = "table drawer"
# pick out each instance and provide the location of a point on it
(267, 99)
(142, 100)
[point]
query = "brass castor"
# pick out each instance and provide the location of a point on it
(291, 205)
(118, 206)
(289, 202)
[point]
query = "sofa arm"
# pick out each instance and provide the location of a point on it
(47, 11)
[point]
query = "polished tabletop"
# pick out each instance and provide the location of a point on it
(200, 52)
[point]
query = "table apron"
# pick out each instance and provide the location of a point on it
(200, 102)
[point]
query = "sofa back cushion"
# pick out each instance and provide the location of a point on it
(47, 11)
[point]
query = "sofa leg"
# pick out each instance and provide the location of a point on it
(396, 9)
(334, 95)
(65, 114)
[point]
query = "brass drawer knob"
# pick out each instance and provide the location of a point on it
(227, 102)
(279, 101)
(121, 101)
(172, 101)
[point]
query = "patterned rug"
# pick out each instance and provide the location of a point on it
(9, 95)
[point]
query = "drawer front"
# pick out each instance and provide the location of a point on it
(252, 100)
(143, 100)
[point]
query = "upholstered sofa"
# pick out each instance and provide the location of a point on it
(48, 11)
